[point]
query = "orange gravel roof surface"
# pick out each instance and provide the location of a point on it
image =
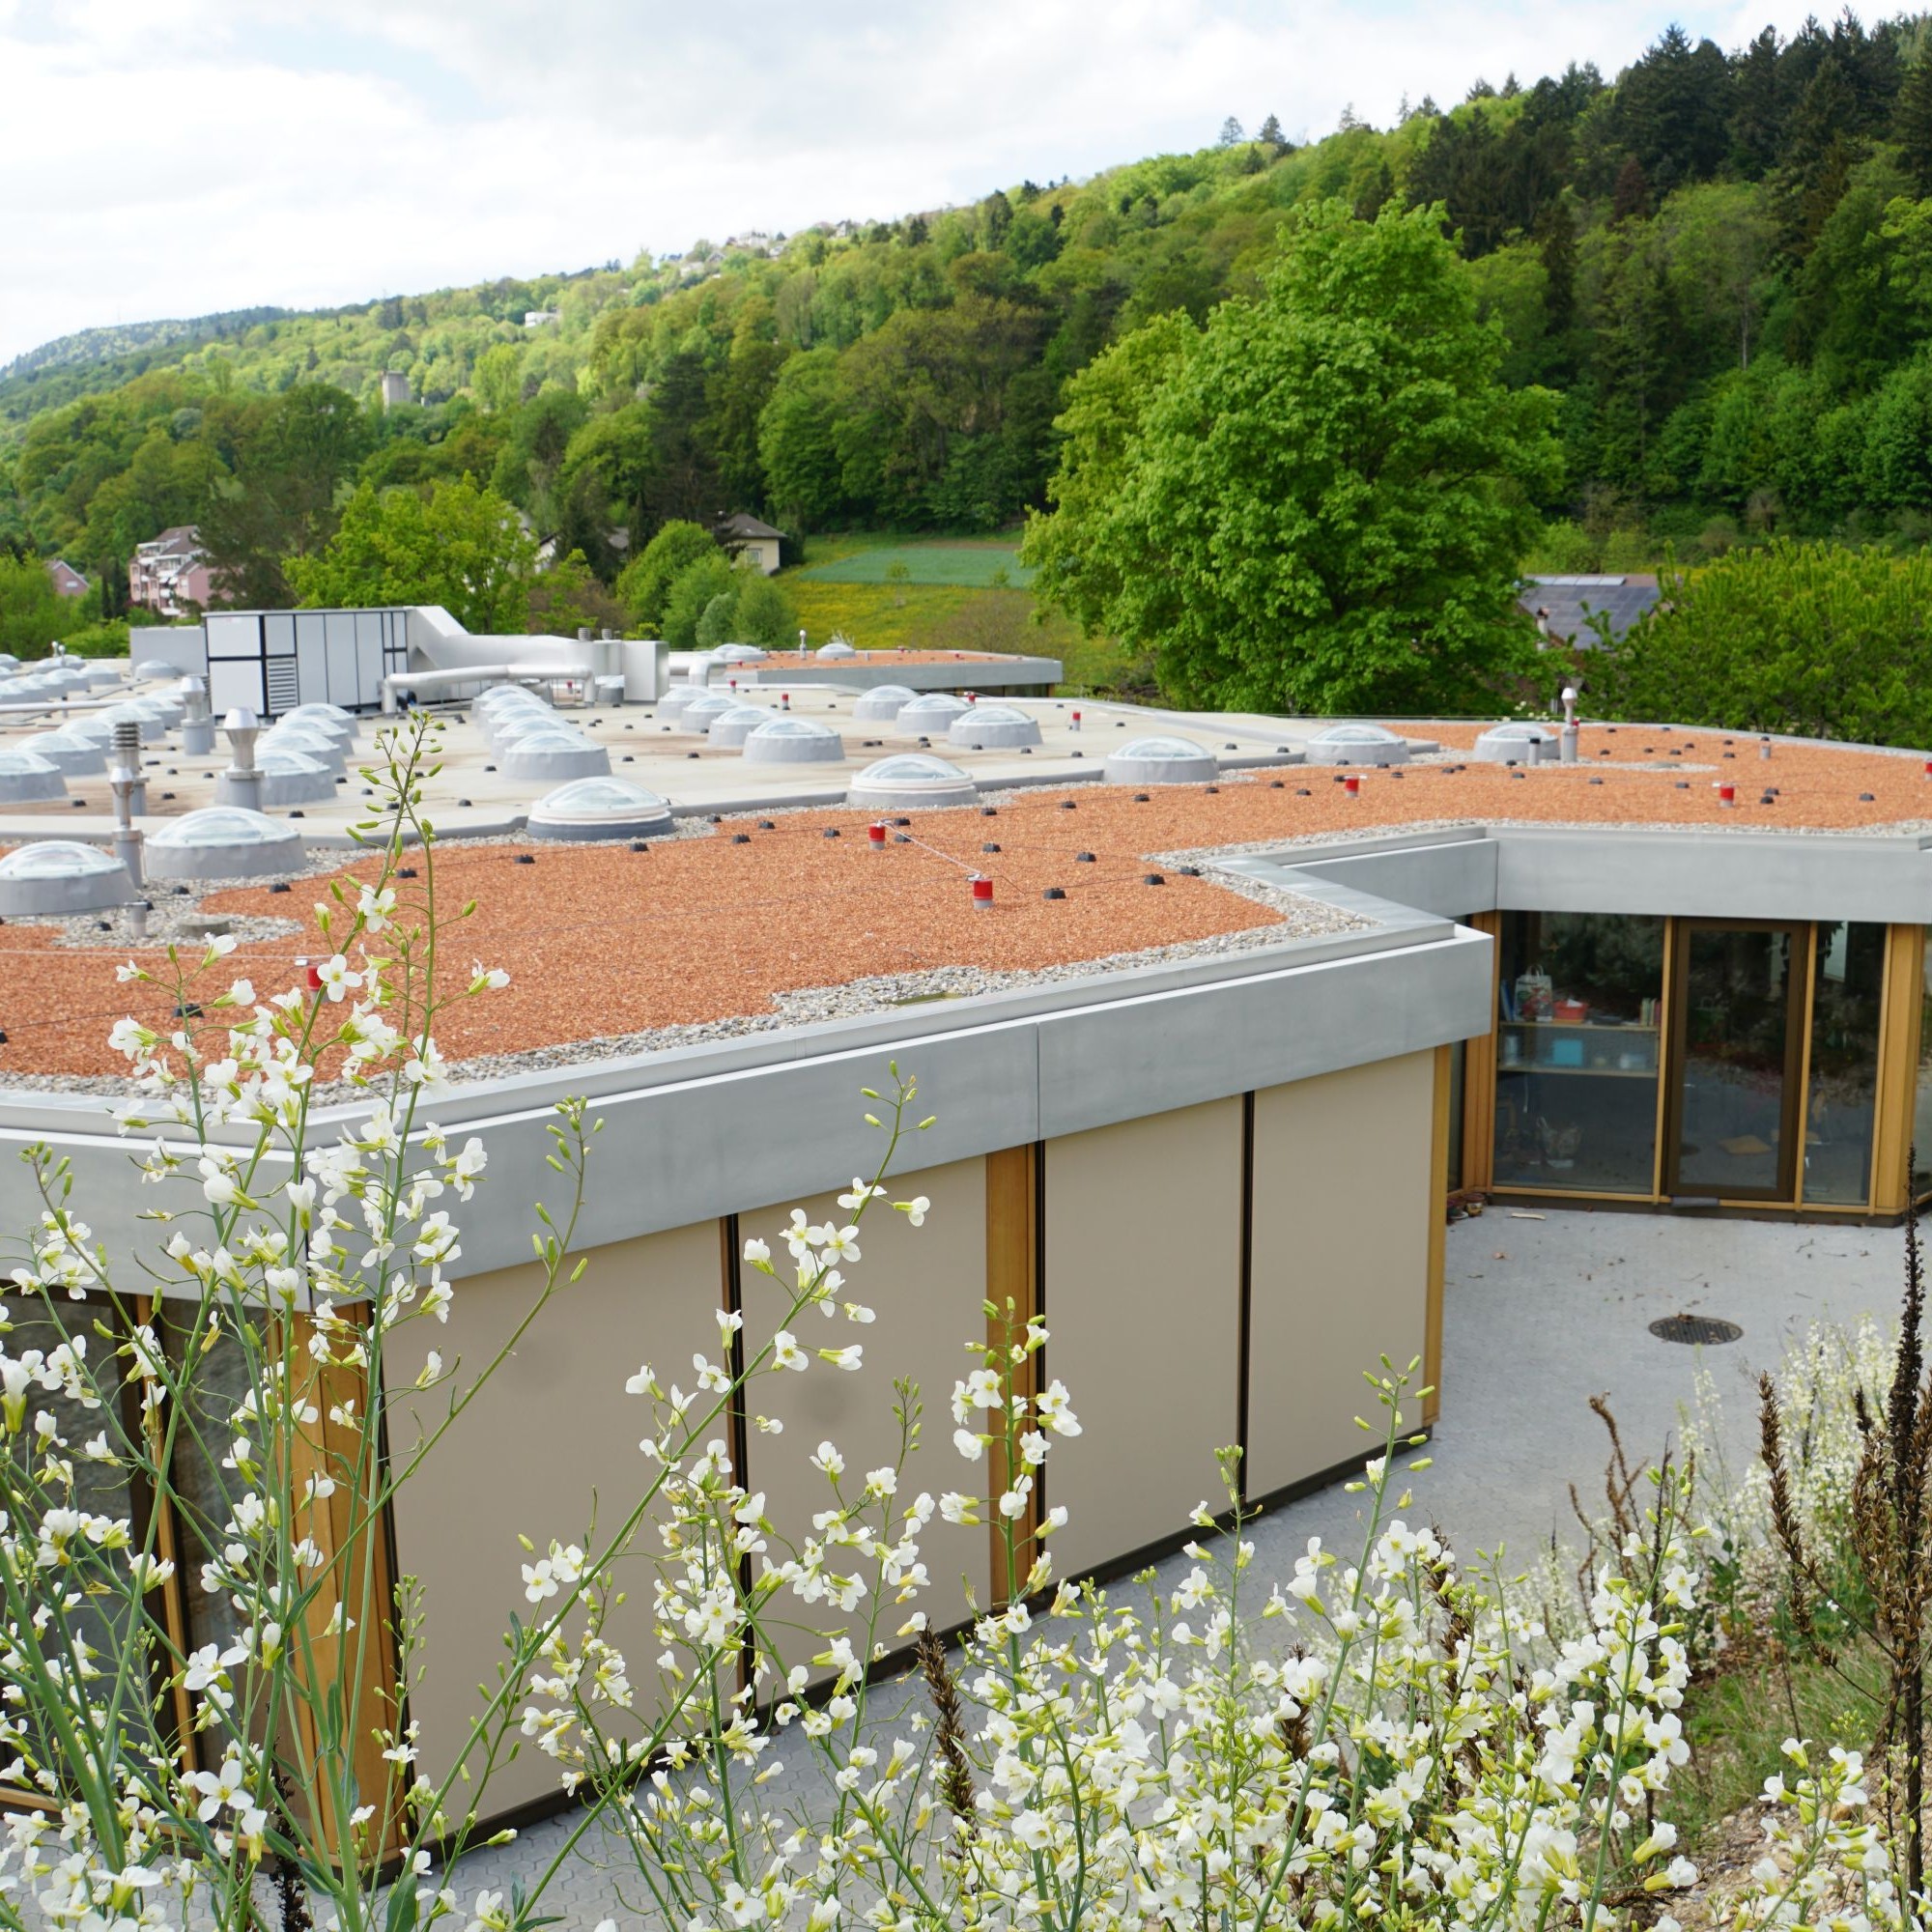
(602, 941)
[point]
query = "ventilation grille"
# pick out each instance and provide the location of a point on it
(284, 692)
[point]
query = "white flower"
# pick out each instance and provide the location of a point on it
(427, 1068)
(852, 1357)
(968, 1444)
(336, 977)
(829, 1460)
(1055, 1412)
(916, 1209)
(1032, 1829)
(542, 1579)
(217, 1787)
(786, 1353)
(757, 1252)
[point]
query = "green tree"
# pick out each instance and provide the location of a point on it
(1805, 638)
(498, 378)
(798, 443)
(462, 546)
(766, 614)
(1079, 568)
(718, 623)
(165, 483)
(1327, 490)
(647, 580)
(32, 614)
(737, 396)
(690, 595)
(533, 456)
(294, 456)
(567, 597)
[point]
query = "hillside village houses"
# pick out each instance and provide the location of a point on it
(67, 581)
(169, 575)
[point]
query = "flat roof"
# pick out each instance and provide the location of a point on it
(762, 919)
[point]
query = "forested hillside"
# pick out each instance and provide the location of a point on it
(1719, 259)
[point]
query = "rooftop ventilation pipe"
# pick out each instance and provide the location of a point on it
(241, 783)
(130, 795)
(198, 723)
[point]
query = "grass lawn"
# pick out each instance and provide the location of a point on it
(947, 603)
(951, 617)
(961, 562)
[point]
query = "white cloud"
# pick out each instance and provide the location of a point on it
(177, 156)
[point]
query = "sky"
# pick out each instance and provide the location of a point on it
(173, 157)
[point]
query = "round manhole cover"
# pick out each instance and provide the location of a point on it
(1702, 1330)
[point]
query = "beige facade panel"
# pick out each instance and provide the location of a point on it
(1141, 1294)
(552, 1426)
(927, 1289)
(1343, 1201)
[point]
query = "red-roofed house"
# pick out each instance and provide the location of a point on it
(67, 582)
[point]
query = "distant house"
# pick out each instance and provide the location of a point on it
(535, 318)
(169, 576)
(66, 580)
(1563, 607)
(395, 389)
(746, 536)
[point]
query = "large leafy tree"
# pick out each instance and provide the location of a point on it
(294, 456)
(798, 443)
(462, 546)
(1318, 500)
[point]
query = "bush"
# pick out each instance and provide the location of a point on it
(1812, 639)
(690, 598)
(99, 640)
(715, 626)
(644, 585)
(766, 614)
(32, 613)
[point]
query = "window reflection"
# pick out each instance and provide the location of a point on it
(1922, 1113)
(1577, 1052)
(1842, 1095)
(1742, 990)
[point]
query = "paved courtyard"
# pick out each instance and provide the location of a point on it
(1543, 1310)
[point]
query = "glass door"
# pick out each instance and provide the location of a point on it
(1738, 1019)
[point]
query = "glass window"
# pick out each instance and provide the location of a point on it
(1922, 1113)
(1742, 989)
(1847, 986)
(1577, 1052)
